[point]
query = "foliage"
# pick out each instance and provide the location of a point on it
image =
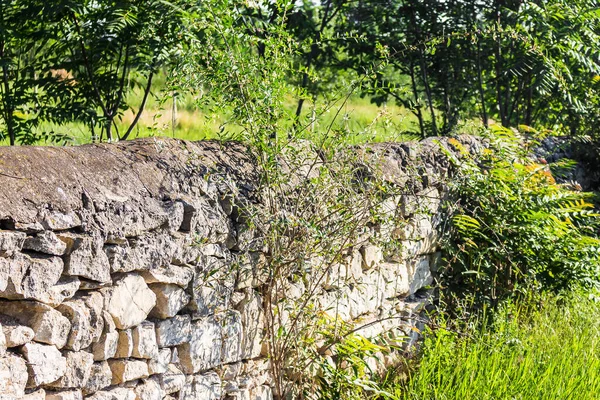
(513, 229)
(520, 353)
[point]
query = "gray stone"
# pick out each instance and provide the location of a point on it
(175, 274)
(49, 325)
(169, 300)
(45, 364)
(3, 344)
(82, 332)
(173, 331)
(106, 346)
(46, 242)
(85, 257)
(127, 370)
(79, 367)
(150, 389)
(147, 252)
(253, 323)
(58, 221)
(100, 377)
(11, 242)
(159, 364)
(231, 323)
(144, 341)
(130, 301)
(13, 376)
(117, 393)
(203, 351)
(173, 380)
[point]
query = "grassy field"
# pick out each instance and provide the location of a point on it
(551, 353)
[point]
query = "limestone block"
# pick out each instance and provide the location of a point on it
(45, 364)
(202, 387)
(85, 257)
(203, 351)
(129, 301)
(173, 331)
(45, 242)
(175, 274)
(206, 221)
(175, 211)
(125, 344)
(150, 389)
(79, 367)
(231, 323)
(2, 342)
(11, 242)
(37, 395)
(169, 300)
(106, 346)
(372, 255)
(30, 277)
(159, 364)
(146, 252)
(65, 395)
(253, 323)
(419, 274)
(144, 341)
(79, 314)
(100, 377)
(49, 325)
(58, 221)
(263, 392)
(95, 303)
(117, 393)
(213, 287)
(13, 376)
(173, 380)
(127, 370)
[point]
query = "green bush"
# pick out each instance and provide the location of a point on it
(513, 229)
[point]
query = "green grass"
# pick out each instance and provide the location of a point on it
(552, 353)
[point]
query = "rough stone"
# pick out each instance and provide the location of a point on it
(79, 367)
(65, 395)
(3, 344)
(253, 323)
(49, 325)
(127, 370)
(45, 364)
(85, 257)
(159, 364)
(13, 376)
(11, 242)
(106, 346)
(173, 331)
(175, 274)
(212, 288)
(372, 256)
(58, 221)
(202, 387)
(203, 351)
(231, 323)
(144, 341)
(150, 389)
(173, 380)
(117, 393)
(46, 242)
(129, 301)
(125, 344)
(81, 330)
(100, 377)
(146, 252)
(169, 300)
(37, 395)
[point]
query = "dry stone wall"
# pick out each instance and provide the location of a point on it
(126, 271)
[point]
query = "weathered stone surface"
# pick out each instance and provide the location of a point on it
(85, 257)
(64, 395)
(46, 242)
(173, 380)
(372, 256)
(253, 322)
(212, 288)
(129, 301)
(100, 377)
(58, 221)
(106, 346)
(147, 252)
(37, 395)
(81, 330)
(31, 277)
(203, 351)
(144, 341)
(169, 300)
(203, 387)
(231, 323)
(125, 344)
(150, 389)
(77, 373)
(49, 325)
(175, 274)
(3, 344)
(159, 364)
(13, 376)
(127, 370)
(11, 242)
(118, 393)
(45, 364)
(173, 331)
